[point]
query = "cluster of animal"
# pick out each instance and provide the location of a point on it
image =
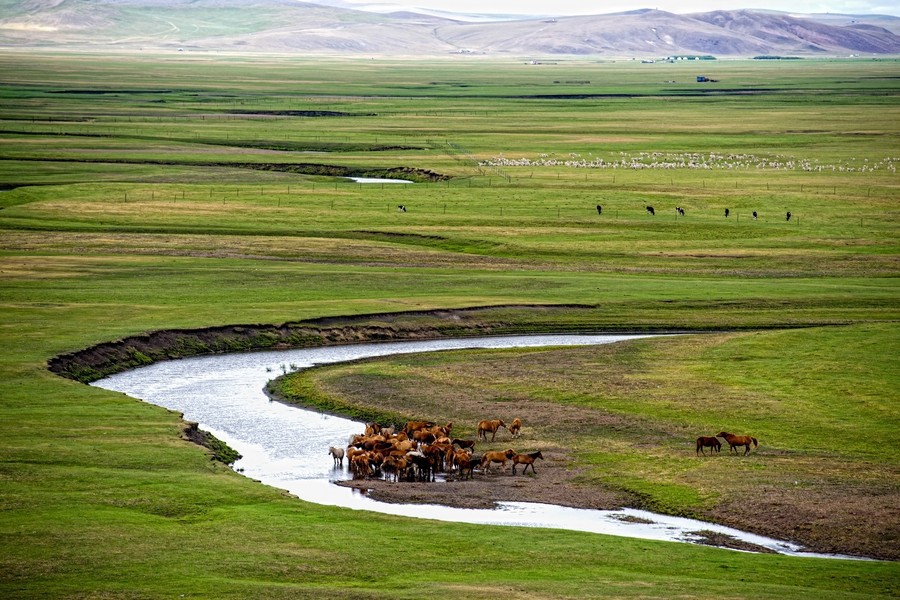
(734, 442)
(422, 449)
(680, 212)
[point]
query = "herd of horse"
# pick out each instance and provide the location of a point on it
(734, 442)
(422, 449)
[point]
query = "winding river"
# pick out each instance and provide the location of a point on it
(286, 447)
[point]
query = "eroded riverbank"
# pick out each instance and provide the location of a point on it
(285, 447)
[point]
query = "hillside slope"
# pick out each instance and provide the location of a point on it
(287, 26)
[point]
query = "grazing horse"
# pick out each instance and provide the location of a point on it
(727, 212)
(650, 210)
(463, 444)
(738, 440)
(498, 457)
(527, 460)
(492, 426)
(338, 455)
(515, 427)
(712, 443)
(599, 210)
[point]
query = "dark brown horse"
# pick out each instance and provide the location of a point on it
(738, 440)
(712, 443)
(527, 460)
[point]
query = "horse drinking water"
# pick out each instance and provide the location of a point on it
(338, 455)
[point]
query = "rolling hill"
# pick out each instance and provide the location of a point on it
(298, 27)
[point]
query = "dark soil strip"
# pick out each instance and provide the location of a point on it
(721, 540)
(300, 113)
(220, 450)
(280, 146)
(107, 358)
(409, 173)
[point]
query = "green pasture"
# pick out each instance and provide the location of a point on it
(823, 428)
(143, 193)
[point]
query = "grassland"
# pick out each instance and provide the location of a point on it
(148, 193)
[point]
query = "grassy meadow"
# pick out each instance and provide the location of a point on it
(142, 193)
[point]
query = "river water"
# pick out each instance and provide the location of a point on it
(287, 447)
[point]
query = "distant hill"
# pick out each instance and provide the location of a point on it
(290, 26)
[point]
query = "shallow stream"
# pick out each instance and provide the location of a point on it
(287, 447)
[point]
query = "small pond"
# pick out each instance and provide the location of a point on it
(377, 180)
(286, 447)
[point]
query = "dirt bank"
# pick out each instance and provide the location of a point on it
(96, 362)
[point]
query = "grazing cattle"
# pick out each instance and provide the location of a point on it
(738, 440)
(485, 426)
(650, 210)
(727, 212)
(712, 443)
(515, 427)
(401, 207)
(599, 210)
(787, 217)
(679, 211)
(754, 215)
(338, 455)
(527, 460)
(496, 457)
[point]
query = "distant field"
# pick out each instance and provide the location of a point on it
(143, 193)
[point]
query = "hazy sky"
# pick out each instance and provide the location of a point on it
(582, 7)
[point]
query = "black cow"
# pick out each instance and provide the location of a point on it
(727, 212)
(599, 210)
(650, 210)
(788, 216)
(754, 215)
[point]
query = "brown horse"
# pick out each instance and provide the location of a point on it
(463, 444)
(527, 460)
(515, 427)
(712, 443)
(738, 440)
(499, 457)
(485, 426)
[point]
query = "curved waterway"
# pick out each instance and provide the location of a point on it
(286, 447)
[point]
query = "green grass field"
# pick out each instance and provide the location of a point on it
(143, 193)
